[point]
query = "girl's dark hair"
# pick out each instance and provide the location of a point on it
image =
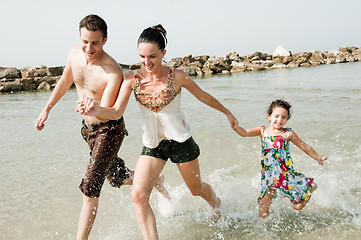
(94, 23)
(156, 34)
(280, 103)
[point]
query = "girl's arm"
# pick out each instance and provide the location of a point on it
(90, 108)
(183, 80)
(306, 148)
(248, 132)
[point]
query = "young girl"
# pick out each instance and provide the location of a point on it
(277, 165)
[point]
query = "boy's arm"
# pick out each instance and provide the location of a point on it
(306, 148)
(62, 86)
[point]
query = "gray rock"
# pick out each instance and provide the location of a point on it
(187, 60)
(317, 58)
(10, 86)
(27, 84)
(234, 57)
(9, 72)
(257, 56)
(282, 60)
(44, 86)
(281, 52)
(31, 72)
(55, 71)
(293, 64)
(357, 54)
(135, 66)
(347, 49)
(174, 62)
(279, 66)
(201, 59)
(190, 70)
(238, 67)
(264, 63)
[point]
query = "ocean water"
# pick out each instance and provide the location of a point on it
(41, 171)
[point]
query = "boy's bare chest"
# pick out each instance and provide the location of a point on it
(92, 79)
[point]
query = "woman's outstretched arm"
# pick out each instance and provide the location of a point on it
(183, 80)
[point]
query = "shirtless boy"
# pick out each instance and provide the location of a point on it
(98, 76)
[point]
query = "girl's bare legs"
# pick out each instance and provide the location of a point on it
(299, 206)
(265, 203)
(146, 174)
(191, 175)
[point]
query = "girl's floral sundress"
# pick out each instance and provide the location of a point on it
(278, 172)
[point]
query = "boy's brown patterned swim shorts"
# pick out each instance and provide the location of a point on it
(104, 141)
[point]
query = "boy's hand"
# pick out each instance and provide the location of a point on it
(39, 123)
(80, 107)
(87, 107)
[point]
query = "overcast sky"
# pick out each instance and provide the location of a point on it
(35, 33)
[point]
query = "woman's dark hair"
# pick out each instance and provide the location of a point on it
(156, 34)
(94, 23)
(280, 103)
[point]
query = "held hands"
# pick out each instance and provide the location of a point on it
(87, 106)
(232, 120)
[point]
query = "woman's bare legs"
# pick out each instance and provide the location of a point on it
(146, 174)
(159, 184)
(191, 175)
(147, 171)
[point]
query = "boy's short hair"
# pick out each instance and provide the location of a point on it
(94, 23)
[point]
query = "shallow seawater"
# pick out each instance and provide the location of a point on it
(41, 171)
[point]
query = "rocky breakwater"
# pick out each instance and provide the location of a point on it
(257, 61)
(33, 78)
(45, 78)
(29, 78)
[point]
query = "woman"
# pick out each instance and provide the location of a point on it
(166, 135)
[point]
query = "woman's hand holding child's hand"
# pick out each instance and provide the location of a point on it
(232, 120)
